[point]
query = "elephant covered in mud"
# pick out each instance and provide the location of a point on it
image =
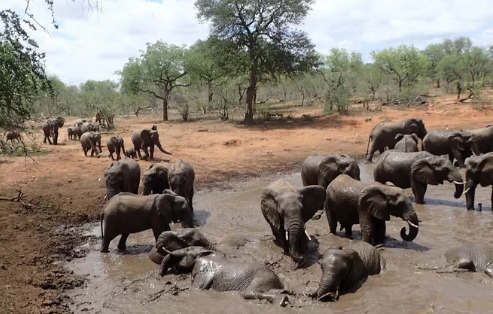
(350, 202)
(146, 140)
(454, 143)
(127, 213)
(416, 171)
(479, 170)
(286, 210)
(406, 143)
(321, 170)
(50, 129)
(344, 269)
(155, 180)
(384, 134)
(91, 141)
(482, 140)
(122, 176)
(181, 180)
(116, 145)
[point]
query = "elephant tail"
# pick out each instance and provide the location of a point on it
(102, 218)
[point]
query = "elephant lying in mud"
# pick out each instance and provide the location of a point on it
(383, 135)
(344, 269)
(321, 170)
(479, 170)
(128, 213)
(122, 176)
(416, 171)
(350, 202)
(155, 180)
(286, 210)
(454, 143)
(406, 143)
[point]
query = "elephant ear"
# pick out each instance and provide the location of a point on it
(399, 136)
(313, 198)
(374, 201)
(270, 210)
(422, 171)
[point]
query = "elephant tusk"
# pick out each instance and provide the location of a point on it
(459, 183)
(309, 238)
(467, 190)
(413, 225)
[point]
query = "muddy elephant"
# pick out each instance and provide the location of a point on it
(155, 180)
(350, 202)
(13, 135)
(181, 180)
(91, 141)
(116, 145)
(416, 171)
(479, 170)
(128, 213)
(344, 269)
(122, 176)
(482, 140)
(146, 140)
(406, 143)
(50, 129)
(321, 170)
(453, 143)
(383, 134)
(286, 210)
(130, 153)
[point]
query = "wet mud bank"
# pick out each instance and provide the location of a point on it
(128, 282)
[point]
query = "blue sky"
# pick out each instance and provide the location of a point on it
(93, 44)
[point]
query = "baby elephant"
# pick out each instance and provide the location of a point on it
(406, 142)
(115, 144)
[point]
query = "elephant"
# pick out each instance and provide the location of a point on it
(406, 142)
(116, 145)
(13, 135)
(350, 202)
(321, 170)
(122, 176)
(146, 139)
(479, 170)
(181, 179)
(50, 129)
(384, 133)
(454, 143)
(130, 153)
(343, 269)
(155, 181)
(128, 213)
(286, 210)
(482, 140)
(417, 170)
(90, 141)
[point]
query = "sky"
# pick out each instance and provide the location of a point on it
(95, 43)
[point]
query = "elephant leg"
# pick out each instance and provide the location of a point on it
(122, 245)
(419, 190)
(379, 231)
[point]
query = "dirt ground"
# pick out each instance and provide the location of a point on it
(62, 188)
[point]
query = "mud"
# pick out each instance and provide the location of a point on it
(129, 282)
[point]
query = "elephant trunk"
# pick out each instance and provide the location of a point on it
(158, 144)
(413, 223)
(295, 236)
(456, 178)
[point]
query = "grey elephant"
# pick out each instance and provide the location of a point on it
(146, 140)
(91, 141)
(321, 170)
(383, 134)
(181, 180)
(417, 170)
(350, 202)
(343, 269)
(116, 145)
(482, 140)
(155, 180)
(128, 213)
(130, 153)
(406, 142)
(122, 176)
(286, 210)
(454, 143)
(50, 129)
(479, 170)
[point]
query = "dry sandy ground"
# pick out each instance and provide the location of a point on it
(61, 188)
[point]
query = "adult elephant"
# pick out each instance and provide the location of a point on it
(116, 145)
(321, 170)
(91, 141)
(155, 180)
(128, 213)
(181, 178)
(479, 170)
(406, 143)
(122, 176)
(416, 171)
(146, 139)
(343, 269)
(286, 210)
(50, 129)
(383, 134)
(482, 140)
(350, 202)
(454, 143)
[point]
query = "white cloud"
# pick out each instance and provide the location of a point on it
(95, 44)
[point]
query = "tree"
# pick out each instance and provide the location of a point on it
(264, 29)
(159, 70)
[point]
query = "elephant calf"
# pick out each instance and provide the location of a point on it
(116, 145)
(406, 143)
(321, 170)
(479, 170)
(181, 180)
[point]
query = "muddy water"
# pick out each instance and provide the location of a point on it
(128, 283)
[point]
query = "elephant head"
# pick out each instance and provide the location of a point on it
(332, 166)
(479, 170)
(173, 208)
(416, 126)
(376, 203)
(151, 138)
(434, 170)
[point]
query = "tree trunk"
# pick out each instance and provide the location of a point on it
(250, 97)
